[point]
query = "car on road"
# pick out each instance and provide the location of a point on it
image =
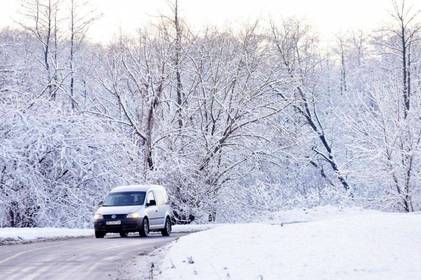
(135, 208)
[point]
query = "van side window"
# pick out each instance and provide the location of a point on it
(150, 197)
(164, 197)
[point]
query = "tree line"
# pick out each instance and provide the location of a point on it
(266, 117)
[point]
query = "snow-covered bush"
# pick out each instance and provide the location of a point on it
(56, 167)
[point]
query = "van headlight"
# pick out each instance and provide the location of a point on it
(98, 217)
(133, 215)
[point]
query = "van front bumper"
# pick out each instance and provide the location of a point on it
(126, 225)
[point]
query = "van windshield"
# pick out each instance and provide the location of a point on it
(124, 199)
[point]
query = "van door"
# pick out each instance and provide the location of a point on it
(152, 211)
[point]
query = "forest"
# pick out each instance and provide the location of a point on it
(233, 122)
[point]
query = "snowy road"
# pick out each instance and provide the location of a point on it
(84, 258)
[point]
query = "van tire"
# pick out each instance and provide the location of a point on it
(167, 229)
(124, 234)
(144, 228)
(99, 234)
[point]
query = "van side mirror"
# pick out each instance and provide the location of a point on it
(101, 203)
(151, 203)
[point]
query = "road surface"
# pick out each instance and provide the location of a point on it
(83, 258)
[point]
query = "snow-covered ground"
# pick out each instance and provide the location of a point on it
(18, 235)
(346, 244)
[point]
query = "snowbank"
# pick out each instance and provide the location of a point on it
(360, 246)
(22, 235)
(193, 228)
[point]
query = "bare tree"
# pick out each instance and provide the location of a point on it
(406, 31)
(81, 19)
(401, 40)
(177, 62)
(294, 47)
(341, 45)
(41, 21)
(137, 76)
(229, 99)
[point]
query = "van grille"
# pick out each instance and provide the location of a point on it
(118, 217)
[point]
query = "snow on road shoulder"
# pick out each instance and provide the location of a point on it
(367, 246)
(193, 228)
(23, 235)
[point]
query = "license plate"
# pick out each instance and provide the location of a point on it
(113, 223)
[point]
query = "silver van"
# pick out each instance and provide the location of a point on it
(136, 208)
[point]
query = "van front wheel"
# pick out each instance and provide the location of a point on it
(167, 229)
(144, 228)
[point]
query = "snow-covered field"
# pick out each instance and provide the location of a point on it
(311, 214)
(348, 244)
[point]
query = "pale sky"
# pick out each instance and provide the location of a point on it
(328, 17)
